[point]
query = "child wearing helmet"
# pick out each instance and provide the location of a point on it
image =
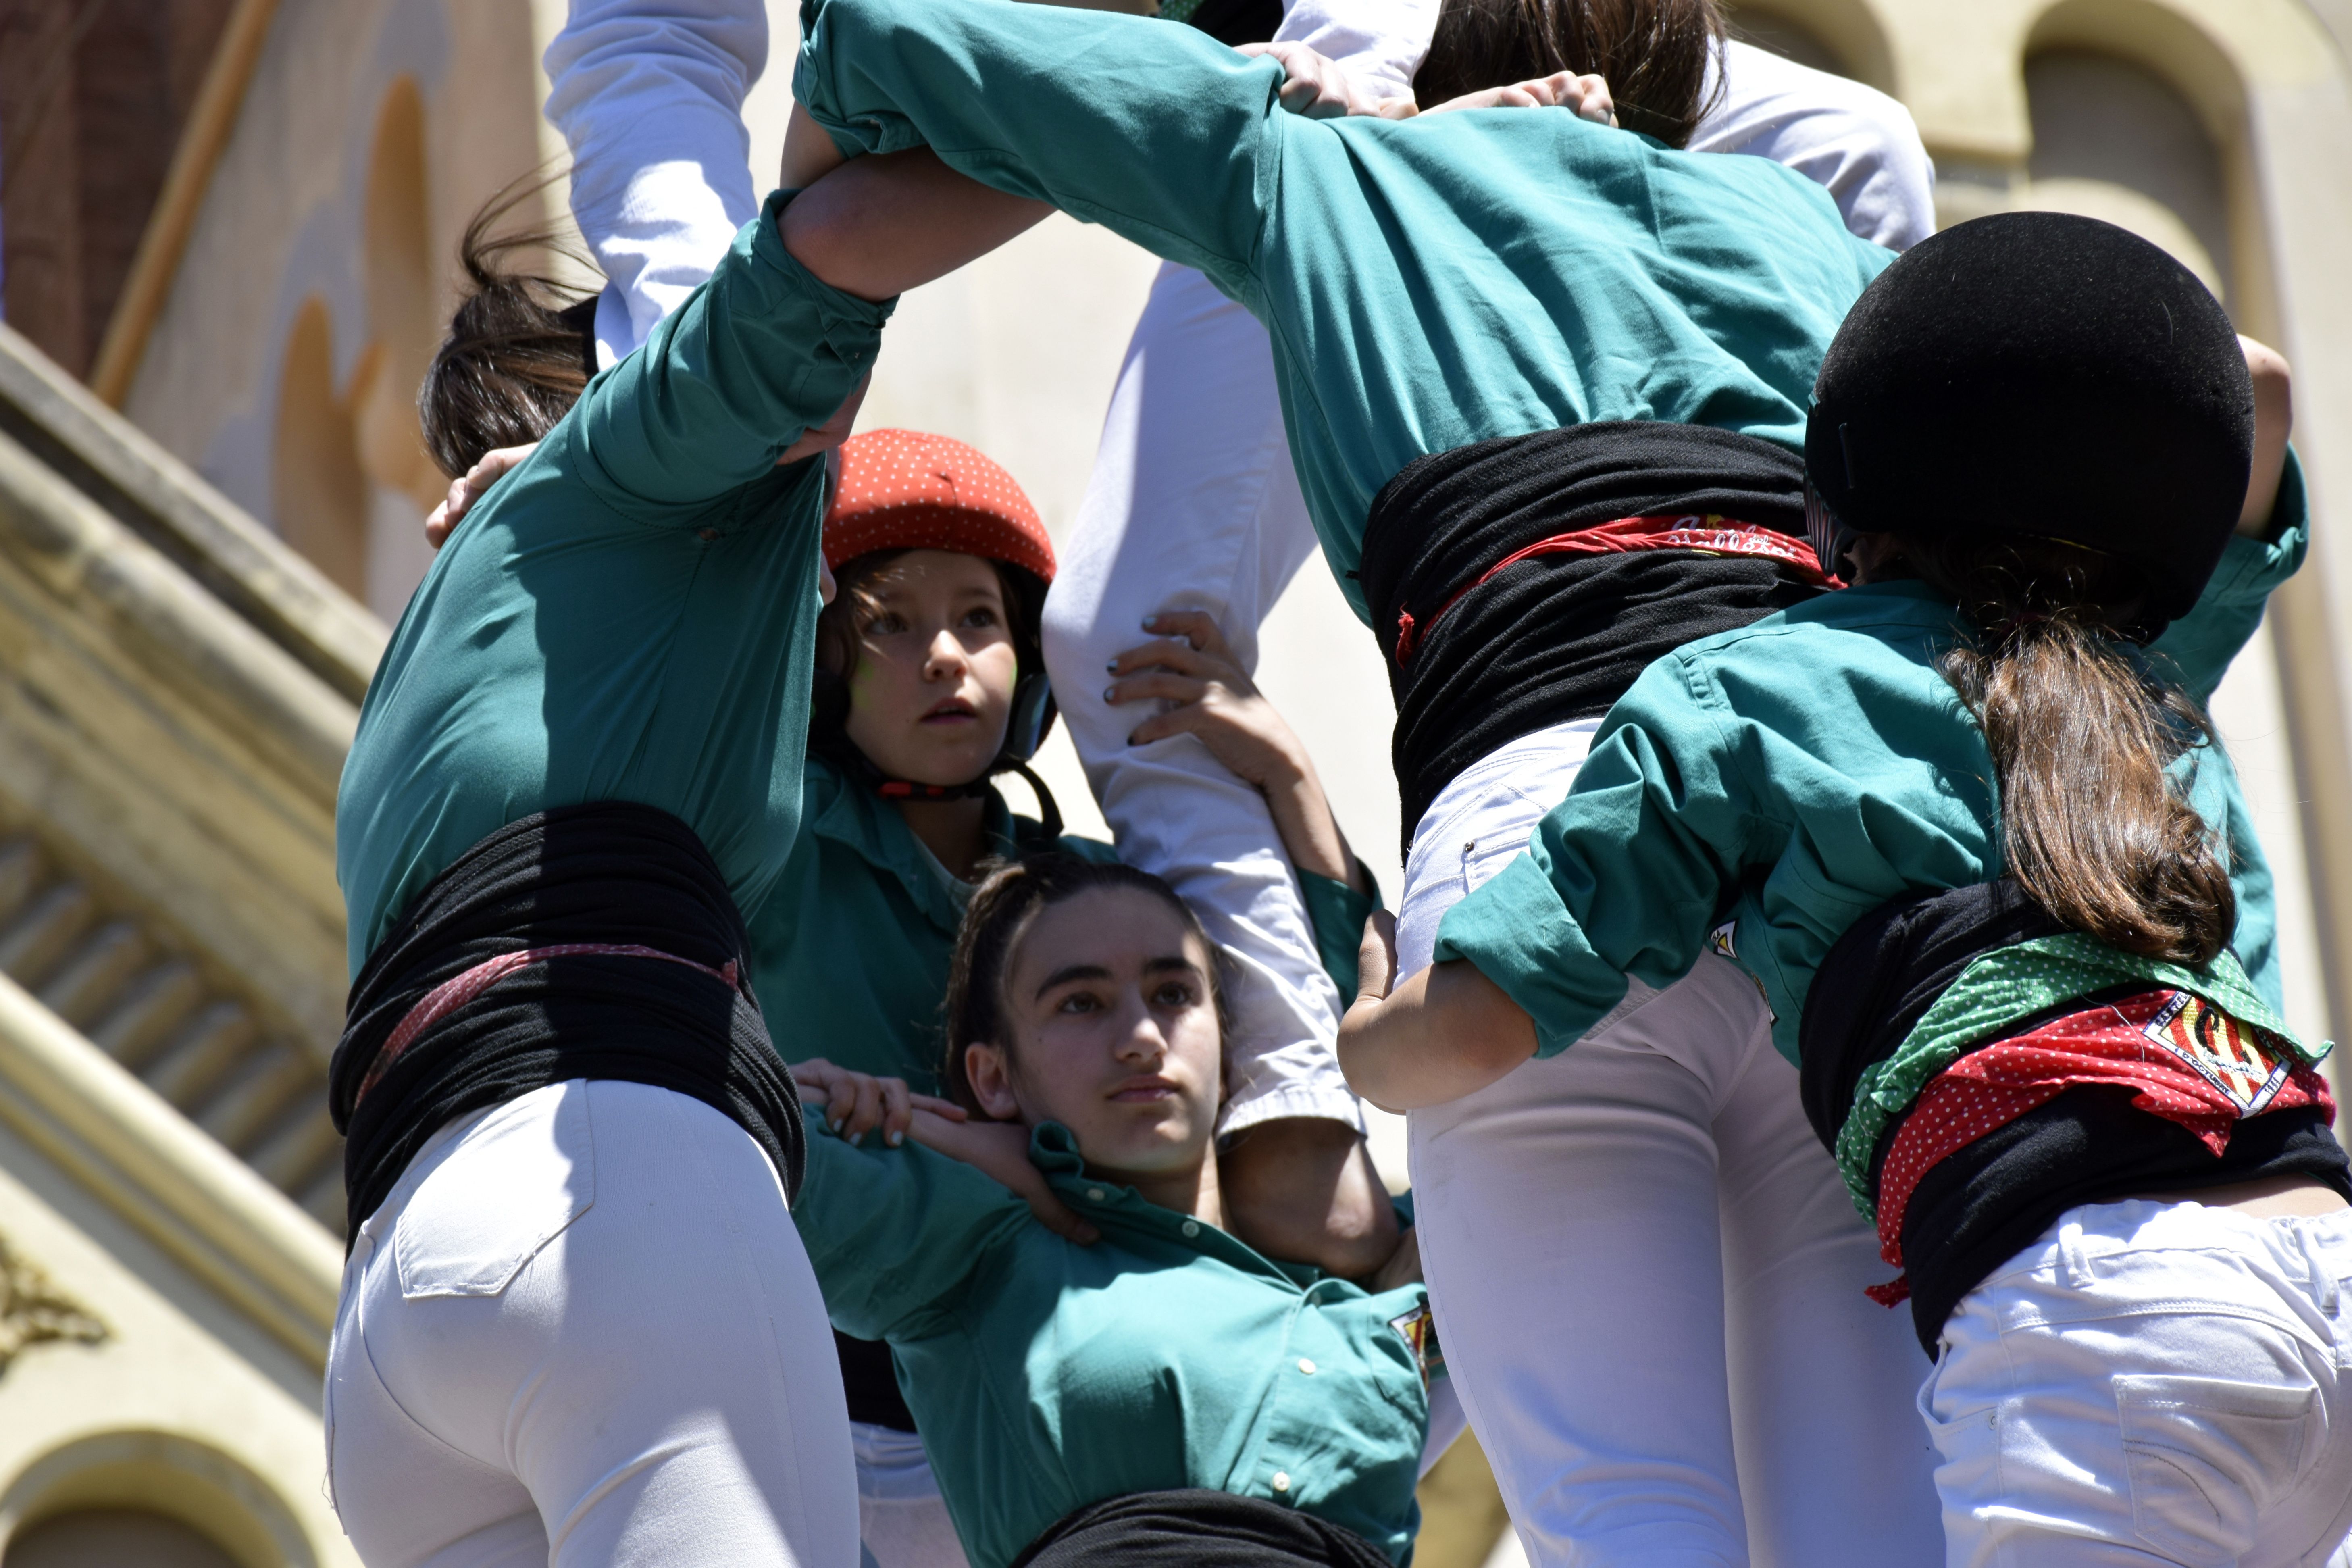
(1966, 828)
(929, 685)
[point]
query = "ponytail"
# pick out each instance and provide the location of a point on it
(2082, 733)
(519, 350)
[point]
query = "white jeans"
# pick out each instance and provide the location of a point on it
(1646, 1272)
(902, 1520)
(583, 1330)
(2151, 1382)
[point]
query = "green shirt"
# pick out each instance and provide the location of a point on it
(849, 955)
(850, 951)
(1426, 283)
(679, 567)
(1046, 1376)
(1784, 779)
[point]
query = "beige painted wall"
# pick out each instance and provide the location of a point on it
(183, 1407)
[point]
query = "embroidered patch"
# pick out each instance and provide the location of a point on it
(2231, 1055)
(1419, 1331)
(1720, 939)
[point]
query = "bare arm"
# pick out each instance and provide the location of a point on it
(878, 225)
(1215, 700)
(1447, 1032)
(2273, 419)
(1303, 1188)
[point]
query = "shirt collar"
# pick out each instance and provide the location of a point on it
(1054, 1150)
(872, 828)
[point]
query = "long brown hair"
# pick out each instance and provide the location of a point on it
(1008, 900)
(2082, 735)
(1653, 54)
(518, 354)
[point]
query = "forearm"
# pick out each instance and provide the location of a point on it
(1446, 1032)
(756, 358)
(880, 226)
(1304, 1189)
(1310, 833)
(1157, 131)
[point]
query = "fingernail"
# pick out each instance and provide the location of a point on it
(856, 1139)
(1112, 666)
(897, 1139)
(1110, 694)
(1150, 623)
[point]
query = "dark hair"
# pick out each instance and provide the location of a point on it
(519, 348)
(2082, 732)
(1653, 53)
(1010, 896)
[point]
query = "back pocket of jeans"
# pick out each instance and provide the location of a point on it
(510, 1185)
(2206, 1459)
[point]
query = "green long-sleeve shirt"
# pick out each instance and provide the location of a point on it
(1783, 780)
(857, 931)
(1046, 1376)
(676, 565)
(1425, 283)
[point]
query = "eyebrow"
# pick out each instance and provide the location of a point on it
(1068, 973)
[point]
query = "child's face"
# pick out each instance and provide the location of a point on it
(1116, 1033)
(933, 691)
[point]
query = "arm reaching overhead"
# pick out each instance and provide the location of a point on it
(1160, 133)
(877, 227)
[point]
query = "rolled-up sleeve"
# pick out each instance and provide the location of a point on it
(1624, 876)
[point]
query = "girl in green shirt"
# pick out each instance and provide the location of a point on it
(1972, 845)
(1167, 1395)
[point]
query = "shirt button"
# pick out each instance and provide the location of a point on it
(1192, 1227)
(1282, 1480)
(1095, 1195)
(1307, 1366)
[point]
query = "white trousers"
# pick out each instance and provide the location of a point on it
(582, 1330)
(2151, 1382)
(1646, 1272)
(902, 1520)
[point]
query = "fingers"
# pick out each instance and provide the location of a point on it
(865, 1112)
(1599, 106)
(937, 1107)
(1175, 654)
(1315, 87)
(1397, 108)
(1155, 684)
(1188, 720)
(897, 1110)
(1195, 627)
(1376, 958)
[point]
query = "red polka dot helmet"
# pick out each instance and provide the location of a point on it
(905, 490)
(908, 489)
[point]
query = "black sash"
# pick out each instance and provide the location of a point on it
(1196, 1528)
(1560, 637)
(608, 873)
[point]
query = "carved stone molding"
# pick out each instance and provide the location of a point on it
(33, 1311)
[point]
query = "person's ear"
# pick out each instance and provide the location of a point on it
(989, 1070)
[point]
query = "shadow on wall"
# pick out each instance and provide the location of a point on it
(2112, 139)
(350, 477)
